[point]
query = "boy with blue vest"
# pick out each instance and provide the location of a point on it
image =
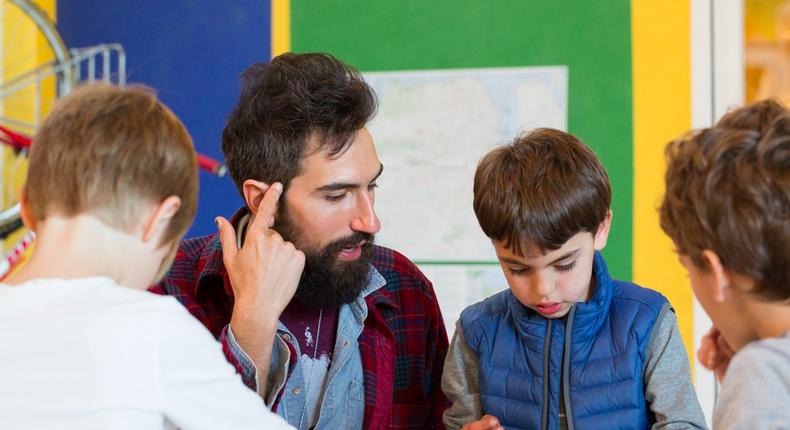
(727, 209)
(566, 346)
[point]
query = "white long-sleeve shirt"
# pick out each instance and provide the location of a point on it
(91, 354)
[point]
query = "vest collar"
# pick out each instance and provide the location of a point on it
(590, 315)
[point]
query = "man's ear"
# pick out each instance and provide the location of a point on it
(602, 235)
(159, 217)
(253, 193)
(721, 279)
(24, 211)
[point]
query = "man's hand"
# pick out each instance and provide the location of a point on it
(264, 275)
(488, 422)
(715, 353)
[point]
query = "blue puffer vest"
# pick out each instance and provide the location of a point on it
(599, 350)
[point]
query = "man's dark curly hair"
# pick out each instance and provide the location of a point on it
(287, 103)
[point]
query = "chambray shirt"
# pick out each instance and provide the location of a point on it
(343, 404)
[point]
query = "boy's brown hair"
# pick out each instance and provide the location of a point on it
(728, 191)
(106, 150)
(537, 192)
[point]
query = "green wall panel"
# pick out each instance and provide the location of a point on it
(593, 38)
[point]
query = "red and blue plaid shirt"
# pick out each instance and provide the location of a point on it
(403, 343)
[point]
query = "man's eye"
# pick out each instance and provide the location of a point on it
(517, 272)
(335, 197)
(373, 186)
(566, 267)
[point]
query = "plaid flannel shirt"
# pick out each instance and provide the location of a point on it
(403, 343)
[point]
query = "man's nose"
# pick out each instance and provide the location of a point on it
(365, 219)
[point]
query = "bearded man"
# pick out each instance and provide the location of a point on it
(331, 330)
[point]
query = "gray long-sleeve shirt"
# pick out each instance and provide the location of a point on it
(755, 393)
(667, 380)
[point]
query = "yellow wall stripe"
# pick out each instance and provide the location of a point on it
(661, 61)
(23, 48)
(281, 26)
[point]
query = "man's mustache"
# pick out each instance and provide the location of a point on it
(352, 240)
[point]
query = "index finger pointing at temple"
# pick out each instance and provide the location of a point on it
(264, 218)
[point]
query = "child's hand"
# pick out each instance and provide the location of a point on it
(488, 422)
(715, 353)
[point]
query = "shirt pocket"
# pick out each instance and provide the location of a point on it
(354, 406)
(356, 391)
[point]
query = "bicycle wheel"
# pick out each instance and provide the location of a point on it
(29, 43)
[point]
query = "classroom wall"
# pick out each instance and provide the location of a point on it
(661, 37)
(629, 88)
(628, 83)
(414, 35)
(192, 53)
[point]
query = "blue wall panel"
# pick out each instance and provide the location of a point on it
(192, 53)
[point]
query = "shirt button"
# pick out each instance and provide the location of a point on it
(287, 337)
(296, 390)
(345, 343)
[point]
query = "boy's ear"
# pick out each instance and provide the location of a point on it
(253, 193)
(602, 235)
(159, 217)
(24, 211)
(721, 279)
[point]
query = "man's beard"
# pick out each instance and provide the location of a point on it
(327, 281)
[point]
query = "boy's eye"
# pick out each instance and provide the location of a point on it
(566, 267)
(372, 186)
(517, 272)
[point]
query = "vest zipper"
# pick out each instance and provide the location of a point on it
(566, 362)
(544, 416)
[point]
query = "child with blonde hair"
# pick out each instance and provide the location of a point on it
(112, 187)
